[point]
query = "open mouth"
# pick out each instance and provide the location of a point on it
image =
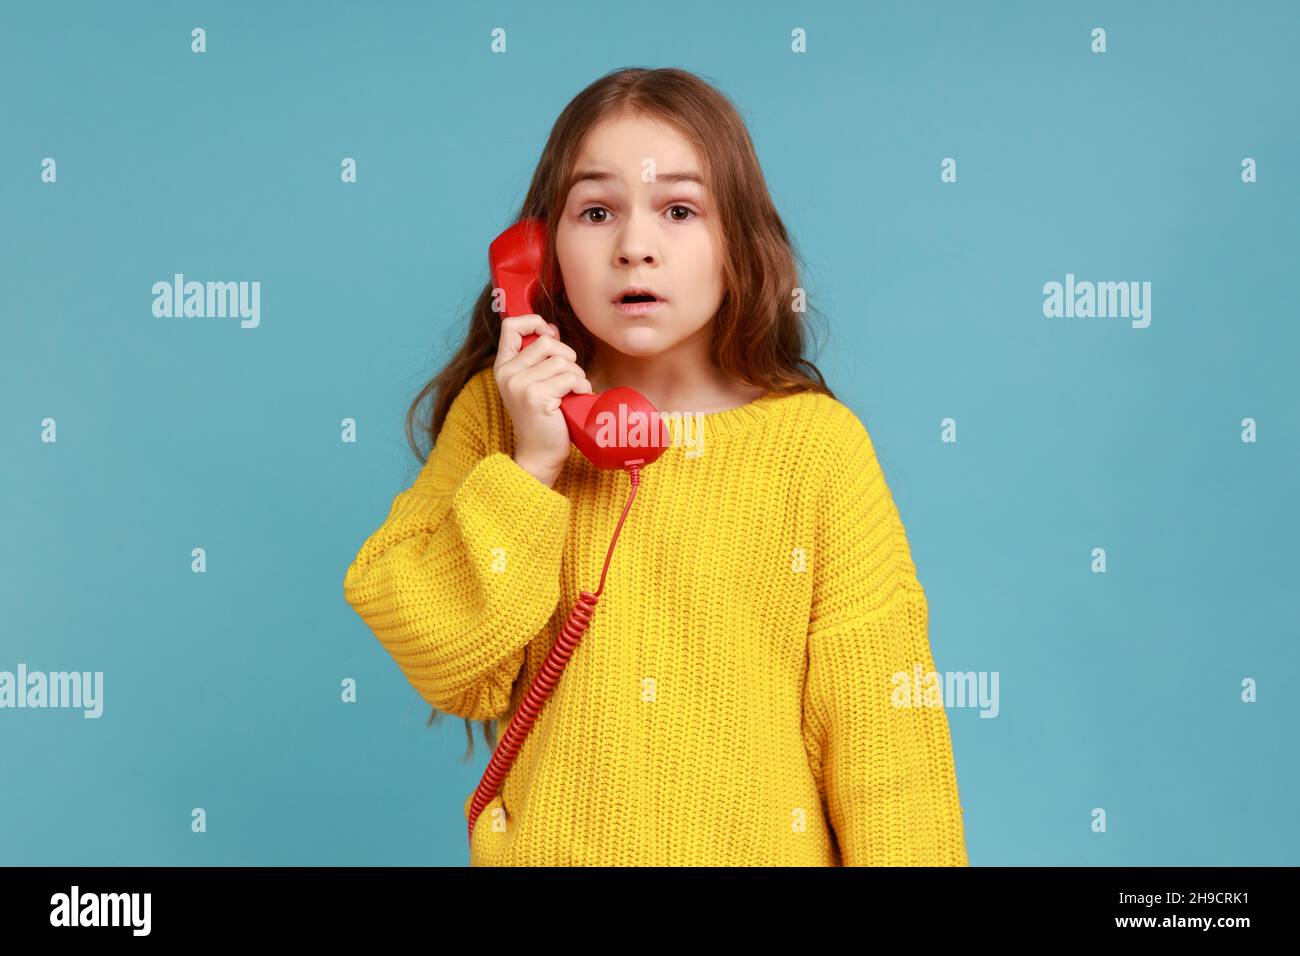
(638, 300)
(638, 304)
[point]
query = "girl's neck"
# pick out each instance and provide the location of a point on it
(672, 386)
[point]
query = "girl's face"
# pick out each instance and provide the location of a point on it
(619, 230)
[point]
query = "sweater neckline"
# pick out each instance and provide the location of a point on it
(730, 421)
(733, 420)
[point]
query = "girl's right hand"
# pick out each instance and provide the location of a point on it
(531, 383)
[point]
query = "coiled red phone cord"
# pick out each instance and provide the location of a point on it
(540, 689)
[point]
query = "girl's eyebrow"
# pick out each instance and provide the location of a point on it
(595, 175)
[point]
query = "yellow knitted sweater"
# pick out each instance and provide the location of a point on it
(734, 699)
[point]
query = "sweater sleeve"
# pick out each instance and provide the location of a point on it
(465, 570)
(885, 769)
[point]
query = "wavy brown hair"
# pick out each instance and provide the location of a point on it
(759, 332)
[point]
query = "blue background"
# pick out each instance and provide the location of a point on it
(1118, 690)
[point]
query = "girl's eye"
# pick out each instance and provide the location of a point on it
(601, 209)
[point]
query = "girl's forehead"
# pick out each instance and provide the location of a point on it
(630, 143)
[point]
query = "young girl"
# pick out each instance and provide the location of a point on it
(734, 699)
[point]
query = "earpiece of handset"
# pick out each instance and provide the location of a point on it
(616, 428)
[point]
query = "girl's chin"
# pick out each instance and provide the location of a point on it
(640, 342)
(642, 350)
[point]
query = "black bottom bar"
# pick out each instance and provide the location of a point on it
(333, 905)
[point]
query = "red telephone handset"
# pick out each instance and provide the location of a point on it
(515, 258)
